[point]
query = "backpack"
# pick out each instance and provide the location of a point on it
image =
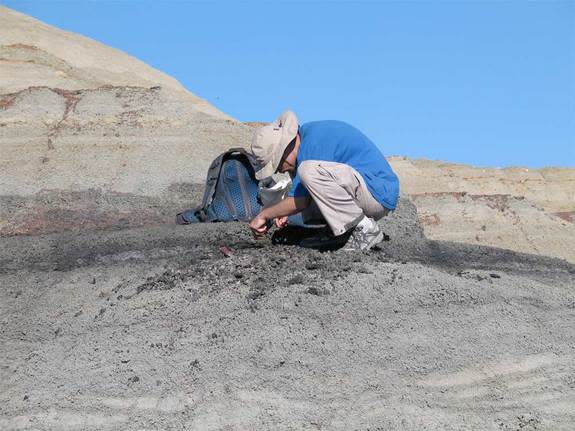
(231, 192)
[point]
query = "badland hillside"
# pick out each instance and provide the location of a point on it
(94, 138)
(111, 317)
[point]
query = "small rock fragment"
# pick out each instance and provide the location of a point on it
(297, 279)
(226, 251)
(313, 290)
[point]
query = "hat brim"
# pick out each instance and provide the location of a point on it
(266, 172)
(289, 126)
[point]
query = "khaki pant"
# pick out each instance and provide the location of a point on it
(339, 193)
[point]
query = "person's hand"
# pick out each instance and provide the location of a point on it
(259, 226)
(281, 221)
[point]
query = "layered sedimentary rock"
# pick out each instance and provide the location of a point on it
(552, 189)
(33, 53)
(91, 137)
(521, 209)
(137, 150)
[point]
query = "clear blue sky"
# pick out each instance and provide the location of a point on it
(488, 83)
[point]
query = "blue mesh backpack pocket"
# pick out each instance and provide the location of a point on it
(231, 192)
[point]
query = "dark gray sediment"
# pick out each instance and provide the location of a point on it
(161, 328)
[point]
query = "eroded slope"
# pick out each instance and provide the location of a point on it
(526, 210)
(156, 328)
(113, 156)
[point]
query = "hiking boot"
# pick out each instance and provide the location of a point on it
(364, 236)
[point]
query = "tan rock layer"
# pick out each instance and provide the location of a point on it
(118, 139)
(502, 221)
(36, 54)
(521, 209)
(552, 189)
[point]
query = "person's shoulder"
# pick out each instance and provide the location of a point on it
(325, 125)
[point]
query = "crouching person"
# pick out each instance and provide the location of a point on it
(336, 172)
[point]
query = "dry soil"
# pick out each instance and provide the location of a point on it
(155, 328)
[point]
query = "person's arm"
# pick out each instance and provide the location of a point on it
(284, 208)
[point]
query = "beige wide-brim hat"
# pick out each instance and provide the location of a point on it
(270, 141)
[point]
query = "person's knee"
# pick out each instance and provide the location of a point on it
(307, 171)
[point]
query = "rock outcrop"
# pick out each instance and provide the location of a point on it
(93, 138)
(521, 209)
(33, 53)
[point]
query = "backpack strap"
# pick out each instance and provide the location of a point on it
(247, 154)
(212, 180)
(215, 170)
